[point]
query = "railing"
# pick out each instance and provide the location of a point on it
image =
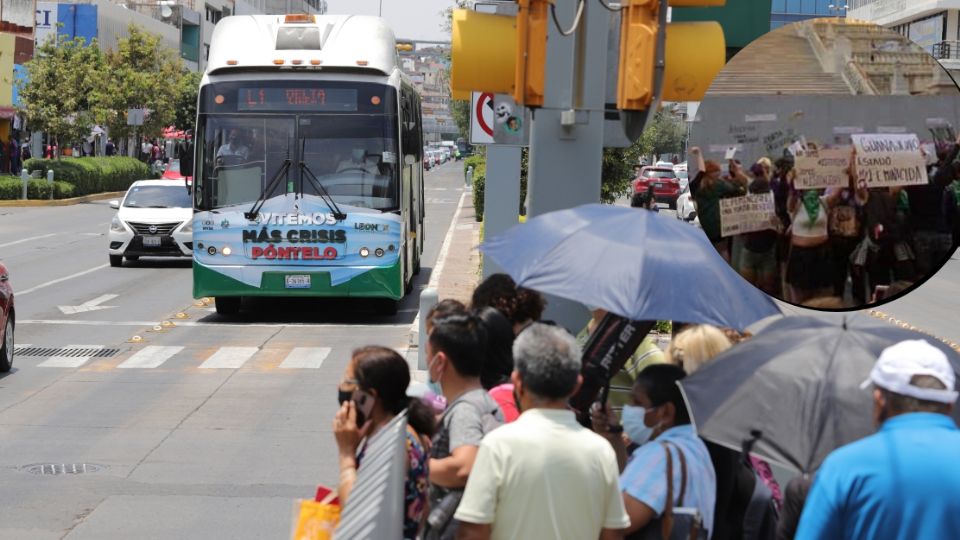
(947, 50)
(857, 80)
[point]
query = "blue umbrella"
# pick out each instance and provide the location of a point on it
(634, 263)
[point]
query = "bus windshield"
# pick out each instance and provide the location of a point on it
(342, 136)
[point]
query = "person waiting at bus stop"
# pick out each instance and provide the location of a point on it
(902, 482)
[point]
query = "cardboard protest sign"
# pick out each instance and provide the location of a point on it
(745, 214)
(888, 159)
(825, 168)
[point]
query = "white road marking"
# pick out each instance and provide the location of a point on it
(61, 280)
(150, 357)
(91, 305)
(71, 361)
(229, 358)
(31, 239)
(305, 358)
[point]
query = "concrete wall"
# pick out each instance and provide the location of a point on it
(763, 125)
(114, 20)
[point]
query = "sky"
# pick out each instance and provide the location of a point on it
(410, 19)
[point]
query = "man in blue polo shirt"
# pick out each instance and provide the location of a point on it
(904, 481)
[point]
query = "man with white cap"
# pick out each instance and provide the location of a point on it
(904, 481)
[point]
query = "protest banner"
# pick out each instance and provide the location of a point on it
(745, 214)
(887, 159)
(824, 168)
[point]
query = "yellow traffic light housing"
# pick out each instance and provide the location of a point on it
(693, 54)
(501, 54)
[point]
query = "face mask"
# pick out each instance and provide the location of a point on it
(433, 385)
(358, 155)
(633, 425)
(343, 396)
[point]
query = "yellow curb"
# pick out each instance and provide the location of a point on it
(135, 339)
(63, 202)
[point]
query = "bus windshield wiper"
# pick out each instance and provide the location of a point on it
(258, 204)
(321, 190)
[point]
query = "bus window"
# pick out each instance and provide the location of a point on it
(354, 157)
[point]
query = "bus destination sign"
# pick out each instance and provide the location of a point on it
(297, 99)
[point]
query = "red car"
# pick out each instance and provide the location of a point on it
(666, 185)
(172, 171)
(6, 320)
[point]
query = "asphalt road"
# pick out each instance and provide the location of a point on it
(204, 429)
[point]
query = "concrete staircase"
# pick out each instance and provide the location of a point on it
(780, 62)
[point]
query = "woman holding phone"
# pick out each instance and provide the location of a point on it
(373, 391)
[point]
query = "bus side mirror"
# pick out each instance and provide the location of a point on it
(409, 159)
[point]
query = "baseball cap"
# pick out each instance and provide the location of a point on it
(900, 362)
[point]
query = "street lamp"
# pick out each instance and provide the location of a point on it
(381, 8)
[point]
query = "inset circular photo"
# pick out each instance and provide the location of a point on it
(823, 164)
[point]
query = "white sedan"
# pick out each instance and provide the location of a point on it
(685, 208)
(155, 219)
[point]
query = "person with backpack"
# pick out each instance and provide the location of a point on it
(455, 350)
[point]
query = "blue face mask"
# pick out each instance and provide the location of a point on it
(433, 385)
(633, 426)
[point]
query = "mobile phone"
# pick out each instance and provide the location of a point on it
(364, 403)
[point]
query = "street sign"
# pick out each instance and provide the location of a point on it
(135, 117)
(481, 118)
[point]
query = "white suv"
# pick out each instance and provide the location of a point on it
(155, 219)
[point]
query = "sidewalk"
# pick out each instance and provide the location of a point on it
(456, 272)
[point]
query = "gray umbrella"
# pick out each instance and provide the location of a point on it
(797, 383)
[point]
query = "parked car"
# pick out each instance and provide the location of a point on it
(172, 171)
(666, 185)
(685, 208)
(155, 219)
(682, 176)
(7, 320)
(663, 164)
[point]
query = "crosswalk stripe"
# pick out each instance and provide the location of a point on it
(150, 357)
(305, 358)
(229, 357)
(71, 361)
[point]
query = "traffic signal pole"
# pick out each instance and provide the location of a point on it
(566, 138)
(501, 195)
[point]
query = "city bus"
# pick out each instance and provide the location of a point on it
(308, 177)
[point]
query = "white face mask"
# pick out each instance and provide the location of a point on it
(633, 425)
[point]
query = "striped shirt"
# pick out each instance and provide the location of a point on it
(645, 476)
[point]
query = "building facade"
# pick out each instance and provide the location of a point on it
(427, 68)
(783, 12)
(932, 24)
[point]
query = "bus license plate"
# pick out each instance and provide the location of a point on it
(297, 282)
(151, 241)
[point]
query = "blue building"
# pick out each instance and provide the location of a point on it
(783, 12)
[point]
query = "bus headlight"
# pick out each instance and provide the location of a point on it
(364, 252)
(226, 251)
(116, 225)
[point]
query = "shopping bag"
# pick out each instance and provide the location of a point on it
(315, 520)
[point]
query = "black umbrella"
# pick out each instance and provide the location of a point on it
(796, 384)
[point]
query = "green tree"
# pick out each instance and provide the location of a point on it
(186, 104)
(664, 135)
(142, 73)
(61, 90)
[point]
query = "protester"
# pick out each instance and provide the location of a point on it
(904, 481)
(794, 498)
(758, 258)
(707, 188)
(543, 476)
(520, 305)
(455, 350)
(621, 384)
(657, 419)
(931, 232)
(809, 268)
(371, 394)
